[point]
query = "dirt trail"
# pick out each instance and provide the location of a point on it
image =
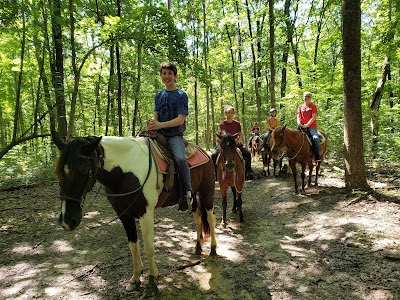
(320, 245)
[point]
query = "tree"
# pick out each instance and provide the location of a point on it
(355, 177)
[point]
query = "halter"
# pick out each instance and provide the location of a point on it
(80, 201)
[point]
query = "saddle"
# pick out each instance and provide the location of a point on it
(195, 156)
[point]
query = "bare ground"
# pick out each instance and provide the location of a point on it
(325, 244)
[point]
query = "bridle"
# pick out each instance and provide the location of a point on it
(282, 141)
(221, 154)
(87, 188)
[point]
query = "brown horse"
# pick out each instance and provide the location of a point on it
(298, 150)
(230, 172)
(134, 186)
(255, 147)
(266, 155)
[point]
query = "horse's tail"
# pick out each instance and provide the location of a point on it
(205, 226)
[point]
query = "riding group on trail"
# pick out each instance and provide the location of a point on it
(138, 174)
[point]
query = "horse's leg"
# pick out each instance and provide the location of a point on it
(316, 172)
(303, 176)
(235, 203)
(198, 221)
(211, 222)
(310, 167)
(147, 226)
(130, 229)
(292, 165)
(223, 190)
(240, 207)
(268, 163)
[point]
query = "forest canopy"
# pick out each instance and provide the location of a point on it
(91, 68)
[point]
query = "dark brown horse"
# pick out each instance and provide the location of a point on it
(134, 186)
(255, 147)
(266, 155)
(230, 172)
(298, 150)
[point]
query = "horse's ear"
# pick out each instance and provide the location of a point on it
(94, 142)
(57, 140)
(219, 136)
(284, 127)
(236, 135)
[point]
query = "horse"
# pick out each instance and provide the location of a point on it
(298, 150)
(266, 156)
(230, 172)
(255, 147)
(127, 168)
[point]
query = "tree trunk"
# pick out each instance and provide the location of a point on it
(19, 82)
(110, 90)
(207, 80)
(285, 54)
(119, 77)
(57, 67)
(232, 59)
(355, 177)
(271, 52)
(137, 87)
(255, 64)
(243, 115)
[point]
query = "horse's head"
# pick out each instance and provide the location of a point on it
(76, 171)
(277, 141)
(227, 148)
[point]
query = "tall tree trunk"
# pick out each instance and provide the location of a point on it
(71, 124)
(243, 115)
(119, 77)
(285, 53)
(207, 80)
(57, 67)
(255, 63)
(110, 90)
(271, 52)
(212, 109)
(19, 81)
(137, 86)
(355, 177)
(196, 55)
(232, 59)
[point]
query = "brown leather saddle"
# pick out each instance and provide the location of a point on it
(195, 156)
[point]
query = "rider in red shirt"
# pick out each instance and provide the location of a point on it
(307, 118)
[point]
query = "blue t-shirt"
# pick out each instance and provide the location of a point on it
(170, 104)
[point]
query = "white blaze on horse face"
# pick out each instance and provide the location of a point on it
(66, 169)
(63, 210)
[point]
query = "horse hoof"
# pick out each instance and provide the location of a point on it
(198, 249)
(151, 288)
(213, 251)
(133, 286)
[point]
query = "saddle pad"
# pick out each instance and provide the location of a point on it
(322, 138)
(196, 157)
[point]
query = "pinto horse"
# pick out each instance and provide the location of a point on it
(230, 172)
(134, 186)
(255, 147)
(266, 155)
(298, 150)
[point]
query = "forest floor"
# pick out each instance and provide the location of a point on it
(324, 244)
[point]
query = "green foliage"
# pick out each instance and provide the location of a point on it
(177, 36)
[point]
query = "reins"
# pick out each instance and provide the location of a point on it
(301, 147)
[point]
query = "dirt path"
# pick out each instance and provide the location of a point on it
(321, 245)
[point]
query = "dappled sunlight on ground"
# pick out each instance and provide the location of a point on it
(316, 245)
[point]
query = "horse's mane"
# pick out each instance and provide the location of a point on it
(69, 155)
